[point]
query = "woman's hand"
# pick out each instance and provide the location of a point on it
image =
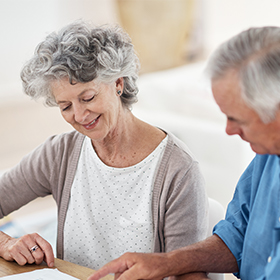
(30, 248)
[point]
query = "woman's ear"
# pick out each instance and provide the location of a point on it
(119, 84)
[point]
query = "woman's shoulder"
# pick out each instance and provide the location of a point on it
(65, 139)
(59, 144)
(178, 162)
(178, 148)
(177, 157)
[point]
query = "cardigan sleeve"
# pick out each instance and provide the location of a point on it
(28, 180)
(40, 173)
(183, 203)
(186, 216)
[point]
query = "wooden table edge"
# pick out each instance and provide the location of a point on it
(78, 271)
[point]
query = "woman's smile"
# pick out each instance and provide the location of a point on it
(92, 124)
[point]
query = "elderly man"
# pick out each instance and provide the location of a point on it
(245, 76)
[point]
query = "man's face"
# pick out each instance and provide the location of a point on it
(242, 120)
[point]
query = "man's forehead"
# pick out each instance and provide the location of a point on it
(229, 76)
(227, 86)
(228, 96)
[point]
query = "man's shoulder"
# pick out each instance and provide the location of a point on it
(260, 166)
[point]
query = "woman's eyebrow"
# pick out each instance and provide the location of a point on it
(60, 102)
(79, 95)
(86, 90)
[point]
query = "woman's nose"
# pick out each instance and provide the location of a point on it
(80, 113)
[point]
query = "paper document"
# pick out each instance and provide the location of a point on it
(41, 274)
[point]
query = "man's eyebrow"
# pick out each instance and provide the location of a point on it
(231, 118)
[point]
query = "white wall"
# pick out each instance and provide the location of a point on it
(24, 23)
(225, 18)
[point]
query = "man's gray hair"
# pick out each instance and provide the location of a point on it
(82, 54)
(255, 54)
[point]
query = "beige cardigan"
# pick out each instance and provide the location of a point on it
(180, 205)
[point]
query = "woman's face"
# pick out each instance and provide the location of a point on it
(92, 108)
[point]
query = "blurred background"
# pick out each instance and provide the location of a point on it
(173, 39)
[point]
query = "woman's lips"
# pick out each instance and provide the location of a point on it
(92, 124)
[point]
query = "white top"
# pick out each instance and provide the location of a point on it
(110, 209)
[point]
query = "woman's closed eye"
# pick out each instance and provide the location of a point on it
(89, 99)
(66, 108)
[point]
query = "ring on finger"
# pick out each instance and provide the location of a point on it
(34, 248)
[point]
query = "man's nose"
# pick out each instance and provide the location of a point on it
(232, 128)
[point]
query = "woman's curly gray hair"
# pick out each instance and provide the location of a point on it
(82, 54)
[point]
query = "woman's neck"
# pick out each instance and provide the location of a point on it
(129, 144)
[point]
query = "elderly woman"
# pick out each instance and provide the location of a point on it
(120, 184)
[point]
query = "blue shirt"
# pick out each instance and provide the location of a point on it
(251, 228)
